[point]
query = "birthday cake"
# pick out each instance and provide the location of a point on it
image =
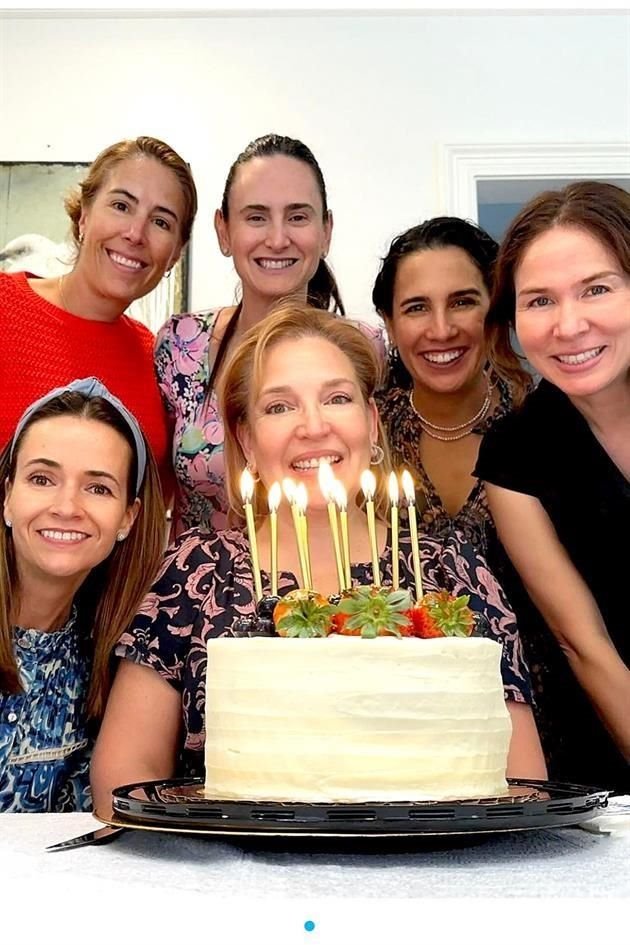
(349, 719)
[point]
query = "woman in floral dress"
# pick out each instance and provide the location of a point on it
(441, 395)
(300, 387)
(275, 223)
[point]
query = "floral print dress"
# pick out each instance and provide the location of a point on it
(45, 740)
(206, 585)
(403, 432)
(183, 368)
(183, 365)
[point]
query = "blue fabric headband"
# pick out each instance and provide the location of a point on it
(91, 387)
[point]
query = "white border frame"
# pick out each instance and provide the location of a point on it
(465, 164)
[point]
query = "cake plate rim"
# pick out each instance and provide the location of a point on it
(565, 805)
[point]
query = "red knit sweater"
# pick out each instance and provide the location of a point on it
(42, 346)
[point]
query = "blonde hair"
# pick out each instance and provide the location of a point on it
(78, 200)
(242, 378)
(110, 596)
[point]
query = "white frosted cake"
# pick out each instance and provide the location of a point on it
(350, 720)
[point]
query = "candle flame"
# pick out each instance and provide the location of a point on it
(301, 497)
(289, 487)
(274, 497)
(393, 489)
(326, 479)
(368, 484)
(339, 495)
(247, 485)
(408, 487)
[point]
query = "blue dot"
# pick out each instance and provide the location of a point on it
(309, 925)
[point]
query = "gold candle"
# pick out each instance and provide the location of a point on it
(393, 498)
(290, 491)
(301, 500)
(273, 499)
(410, 495)
(368, 487)
(341, 501)
(247, 492)
(326, 484)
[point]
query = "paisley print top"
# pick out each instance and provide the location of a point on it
(403, 432)
(44, 738)
(206, 584)
(183, 367)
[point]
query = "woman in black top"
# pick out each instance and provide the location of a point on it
(557, 472)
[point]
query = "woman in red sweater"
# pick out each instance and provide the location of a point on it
(131, 218)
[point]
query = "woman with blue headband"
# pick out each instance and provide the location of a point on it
(81, 537)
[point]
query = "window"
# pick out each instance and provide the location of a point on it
(499, 199)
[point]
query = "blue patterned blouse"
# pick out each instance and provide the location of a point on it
(44, 740)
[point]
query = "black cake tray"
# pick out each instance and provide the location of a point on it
(180, 806)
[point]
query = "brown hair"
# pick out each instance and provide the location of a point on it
(78, 200)
(322, 291)
(243, 373)
(110, 596)
(603, 210)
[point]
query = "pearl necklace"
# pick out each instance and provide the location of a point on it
(459, 431)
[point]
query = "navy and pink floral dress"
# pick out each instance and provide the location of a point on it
(206, 585)
(183, 365)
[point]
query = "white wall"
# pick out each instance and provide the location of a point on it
(374, 96)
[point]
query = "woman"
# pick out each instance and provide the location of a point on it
(131, 218)
(80, 540)
(557, 471)
(275, 223)
(298, 388)
(441, 396)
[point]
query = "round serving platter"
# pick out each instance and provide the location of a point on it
(181, 806)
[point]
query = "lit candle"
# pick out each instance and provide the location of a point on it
(393, 498)
(368, 487)
(410, 496)
(301, 501)
(289, 487)
(290, 490)
(273, 499)
(247, 492)
(341, 501)
(326, 484)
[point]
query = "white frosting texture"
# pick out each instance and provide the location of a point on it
(348, 719)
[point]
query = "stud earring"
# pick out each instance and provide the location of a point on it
(8, 523)
(167, 274)
(81, 238)
(121, 536)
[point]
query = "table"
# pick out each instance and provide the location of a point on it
(556, 863)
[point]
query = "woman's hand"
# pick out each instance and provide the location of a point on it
(525, 757)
